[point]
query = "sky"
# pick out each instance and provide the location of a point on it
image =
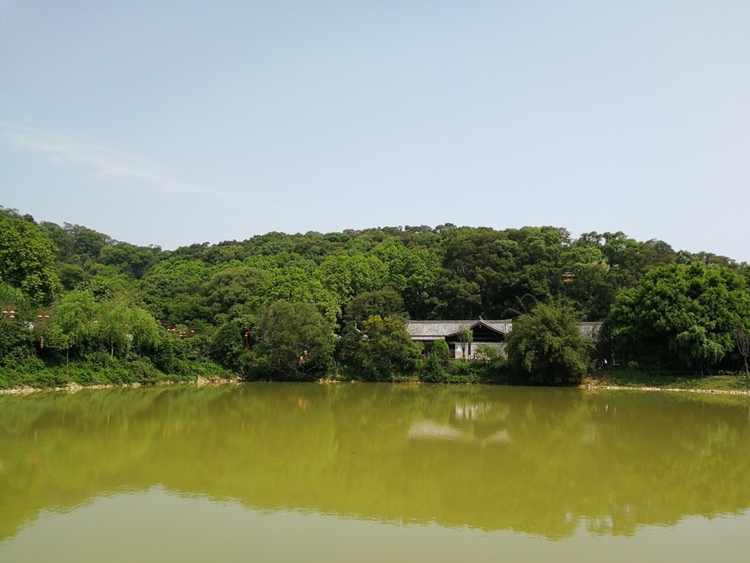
(177, 122)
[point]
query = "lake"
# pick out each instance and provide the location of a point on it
(373, 473)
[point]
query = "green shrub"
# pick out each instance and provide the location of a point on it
(435, 368)
(16, 342)
(294, 342)
(546, 347)
(381, 351)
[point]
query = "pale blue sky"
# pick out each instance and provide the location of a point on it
(179, 122)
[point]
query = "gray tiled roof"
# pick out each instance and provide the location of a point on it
(438, 329)
(428, 330)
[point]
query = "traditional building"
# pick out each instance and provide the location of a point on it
(469, 339)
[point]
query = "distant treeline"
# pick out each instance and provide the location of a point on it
(305, 305)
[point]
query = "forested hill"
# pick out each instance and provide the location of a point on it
(442, 272)
(79, 306)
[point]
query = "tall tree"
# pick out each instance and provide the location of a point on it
(75, 316)
(27, 257)
(546, 347)
(681, 315)
(380, 350)
(294, 341)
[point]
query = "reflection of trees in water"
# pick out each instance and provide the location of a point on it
(532, 460)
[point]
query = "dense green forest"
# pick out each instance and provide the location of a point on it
(81, 306)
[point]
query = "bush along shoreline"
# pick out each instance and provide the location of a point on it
(109, 372)
(80, 377)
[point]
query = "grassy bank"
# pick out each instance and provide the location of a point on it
(114, 372)
(105, 372)
(640, 379)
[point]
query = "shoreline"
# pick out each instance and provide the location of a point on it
(593, 387)
(76, 387)
(588, 385)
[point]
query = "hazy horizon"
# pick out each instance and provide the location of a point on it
(198, 123)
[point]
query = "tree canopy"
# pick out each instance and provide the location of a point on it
(546, 346)
(380, 350)
(681, 314)
(294, 341)
(663, 307)
(27, 257)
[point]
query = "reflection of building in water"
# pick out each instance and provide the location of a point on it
(473, 411)
(470, 411)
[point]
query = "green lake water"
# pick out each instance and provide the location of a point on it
(373, 473)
